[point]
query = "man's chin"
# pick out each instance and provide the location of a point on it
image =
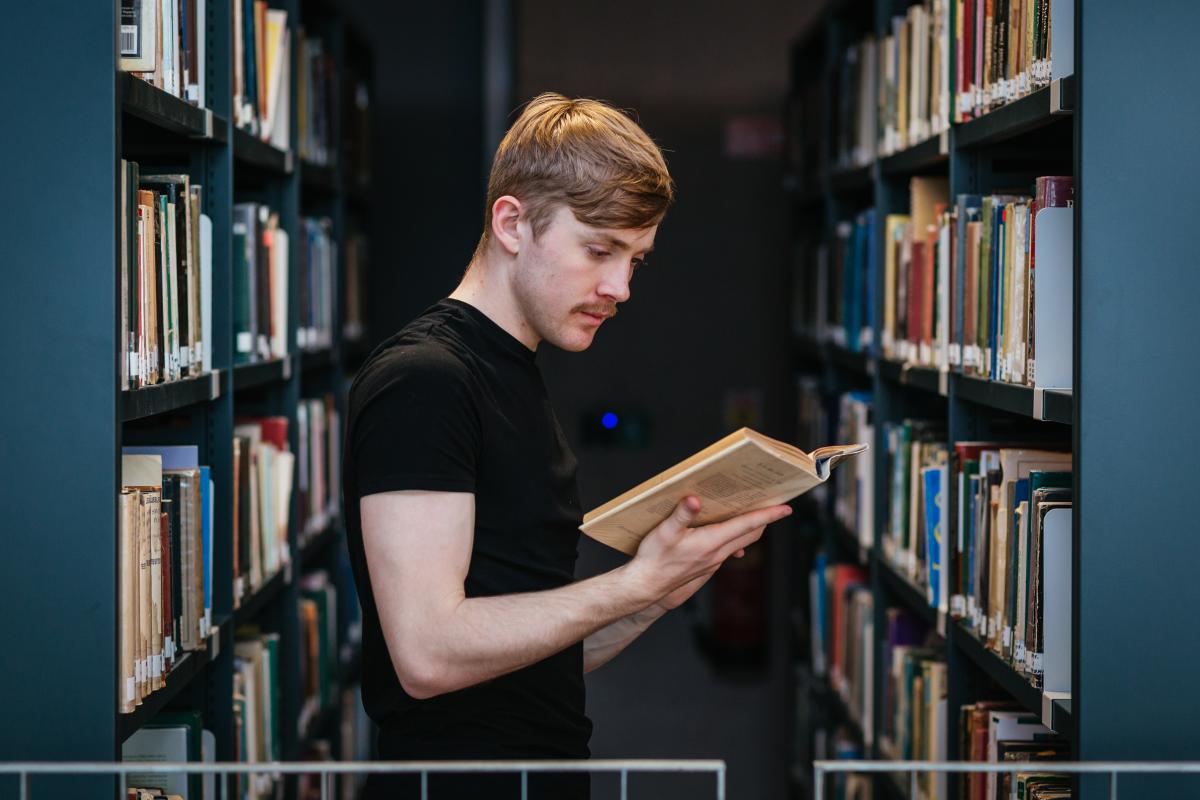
(575, 342)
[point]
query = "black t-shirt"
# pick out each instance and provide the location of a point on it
(455, 403)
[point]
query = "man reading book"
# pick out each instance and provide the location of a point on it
(462, 510)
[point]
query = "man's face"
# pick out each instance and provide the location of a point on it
(570, 279)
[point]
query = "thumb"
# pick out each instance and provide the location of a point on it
(686, 511)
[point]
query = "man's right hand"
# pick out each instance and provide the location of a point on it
(674, 553)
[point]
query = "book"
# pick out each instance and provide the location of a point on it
(160, 42)
(741, 472)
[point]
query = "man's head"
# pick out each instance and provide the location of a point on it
(576, 194)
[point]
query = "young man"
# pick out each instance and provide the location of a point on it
(461, 502)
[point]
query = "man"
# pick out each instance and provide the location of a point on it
(461, 502)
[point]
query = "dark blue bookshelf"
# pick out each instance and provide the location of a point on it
(80, 116)
(1130, 330)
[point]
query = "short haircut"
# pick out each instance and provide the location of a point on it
(586, 155)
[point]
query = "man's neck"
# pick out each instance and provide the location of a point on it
(486, 287)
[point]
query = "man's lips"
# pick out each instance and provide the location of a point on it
(596, 317)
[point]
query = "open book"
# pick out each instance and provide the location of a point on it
(742, 472)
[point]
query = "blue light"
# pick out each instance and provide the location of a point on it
(609, 420)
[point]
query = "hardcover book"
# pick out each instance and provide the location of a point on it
(742, 472)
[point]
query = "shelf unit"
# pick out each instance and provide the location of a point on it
(1130, 326)
(60, 596)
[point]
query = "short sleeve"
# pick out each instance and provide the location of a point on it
(418, 426)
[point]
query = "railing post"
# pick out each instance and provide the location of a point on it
(524, 784)
(721, 782)
(325, 776)
(624, 784)
(912, 784)
(818, 783)
(424, 784)
(24, 784)
(1112, 786)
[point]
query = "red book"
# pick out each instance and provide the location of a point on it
(275, 431)
(844, 575)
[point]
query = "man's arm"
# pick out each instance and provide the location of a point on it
(604, 645)
(418, 548)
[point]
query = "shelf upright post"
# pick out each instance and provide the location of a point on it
(1136, 428)
(60, 429)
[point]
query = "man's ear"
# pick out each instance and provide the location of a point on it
(506, 216)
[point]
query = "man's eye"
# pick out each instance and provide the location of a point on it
(597, 253)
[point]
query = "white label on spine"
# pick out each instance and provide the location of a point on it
(245, 341)
(1007, 636)
(129, 692)
(1035, 663)
(1019, 652)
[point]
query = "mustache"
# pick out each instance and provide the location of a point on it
(607, 312)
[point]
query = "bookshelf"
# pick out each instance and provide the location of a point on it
(1130, 617)
(59, 600)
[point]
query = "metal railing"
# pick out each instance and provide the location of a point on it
(328, 769)
(914, 768)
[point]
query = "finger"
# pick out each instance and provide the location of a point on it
(741, 543)
(685, 512)
(742, 524)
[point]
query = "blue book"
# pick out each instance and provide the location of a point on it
(850, 279)
(932, 478)
(206, 497)
(174, 456)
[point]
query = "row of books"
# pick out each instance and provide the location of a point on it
(262, 58)
(353, 735)
(1002, 561)
(1012, 575)
(318, 479)
(165, 278)
(163, 43)
(260, 284)
(976, 287)
(943, 61)
(914, 90)
(165, 566)
(894, 92)
(842, 643)
(263, 473)
(998, 731)
(1007, 49)
(174, 737)
(256, 710)
(315, 81)
(982, 287)
(319, 652)
(318, 259)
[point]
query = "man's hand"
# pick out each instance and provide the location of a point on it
(675, 560)
(681, 595)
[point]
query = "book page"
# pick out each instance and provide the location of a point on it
(743, 479)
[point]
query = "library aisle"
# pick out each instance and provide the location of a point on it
(936, 255)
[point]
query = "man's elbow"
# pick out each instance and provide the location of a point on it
(421, 678)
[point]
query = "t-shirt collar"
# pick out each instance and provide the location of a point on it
(492, 330)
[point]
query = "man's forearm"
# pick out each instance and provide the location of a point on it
(472, 640)
(603, 645)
